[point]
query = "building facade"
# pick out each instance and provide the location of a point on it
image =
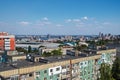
(7, 42)
(72, 68)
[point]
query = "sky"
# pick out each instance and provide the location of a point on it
(60, 17)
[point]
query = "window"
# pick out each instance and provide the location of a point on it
(37, 60)
(37, 73)
(64, 73)
(63, 67)
(45, 71)
(89, 72)
(30, 75)
(81, 73)
(58, 75)
(50, 77)
(77, 64)
(81, 63)
(68, 66)
(88, 77)
(45, 78)
(85, 73)
(89, 62)
(13, 78)
(57, 69)
(51, 70)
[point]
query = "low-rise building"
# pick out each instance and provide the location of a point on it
(13, 58)
(59, 68)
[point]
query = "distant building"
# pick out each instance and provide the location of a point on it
(83, 43)
(68, 38)
(72, 44)
(7, 42)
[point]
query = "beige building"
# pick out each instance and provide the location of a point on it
(64, 68)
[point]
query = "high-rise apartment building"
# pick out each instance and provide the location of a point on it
(7, 42)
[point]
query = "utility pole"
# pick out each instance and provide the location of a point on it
(70, 69)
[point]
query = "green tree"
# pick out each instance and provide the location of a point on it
(46, 54)
(56, 52)
(105, 72)
(116, 69)
(61, 45)
(79, 48)
(91, 42)
(101, 42)
(20, 49)
(29, 49)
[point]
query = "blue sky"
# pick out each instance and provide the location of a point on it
(63, 17)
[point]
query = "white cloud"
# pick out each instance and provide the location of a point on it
(68, 20)
(73, 20)
(42, 23)
(24, 23)
(85, 18)
(85, 22)
(45, 18)
(76, 20)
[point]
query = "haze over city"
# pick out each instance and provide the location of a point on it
(60, 17)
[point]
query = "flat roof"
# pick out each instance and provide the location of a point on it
(17, 55)
(25, 63)
(52, 59)
(34, 45)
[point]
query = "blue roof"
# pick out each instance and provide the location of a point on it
(70, 43)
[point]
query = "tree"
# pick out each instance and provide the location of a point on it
(56, 52)
(116, 69)
(61, 45)
(101, 43)
(79, 48)
(91, 42)
(20, 49)
(35, 50)
(105, 72)
(41, 46)
(46, 54)
(29, 49)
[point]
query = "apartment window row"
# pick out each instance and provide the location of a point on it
(57, 69)
(37, 73)
(85, 63)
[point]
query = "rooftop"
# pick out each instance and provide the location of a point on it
(51, 59)
(36, 45)
(25, 63)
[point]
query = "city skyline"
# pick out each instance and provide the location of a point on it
(64, 17)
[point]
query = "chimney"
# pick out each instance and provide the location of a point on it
(76, 53)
